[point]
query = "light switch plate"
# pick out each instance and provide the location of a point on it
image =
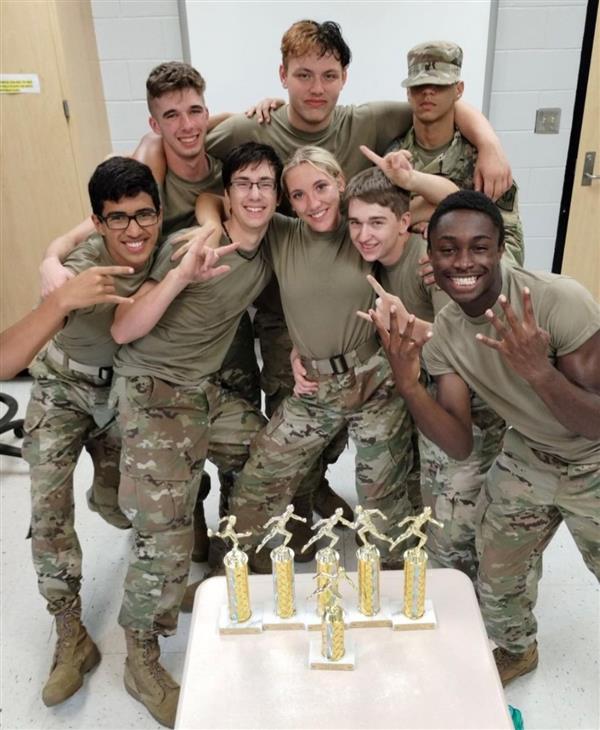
(547, 121)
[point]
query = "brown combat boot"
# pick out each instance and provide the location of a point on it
(326, 501)
(200, 549)
(510, 666)
(147, 680)
(75, 654)
(301, 531)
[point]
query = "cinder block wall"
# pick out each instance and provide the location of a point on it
(536, 62)
(133, 36)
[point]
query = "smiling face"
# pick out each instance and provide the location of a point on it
(181, 118)
(314, 84)
(465, 257)
(376, 231)
(252, 196)
(315, 196)
(131, 246)
(433, 102)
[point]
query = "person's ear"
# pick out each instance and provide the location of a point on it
(100, 227)
(154, 125)
(283, 76)
(460, 87)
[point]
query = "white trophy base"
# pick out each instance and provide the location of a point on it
(272, 622)
(317, 661)
(400, 622)
(357, 620)
(254, 625)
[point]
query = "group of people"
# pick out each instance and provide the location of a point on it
(476, 395)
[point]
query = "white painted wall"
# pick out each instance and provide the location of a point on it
(536, 62)
(241, 64)
(133, 36)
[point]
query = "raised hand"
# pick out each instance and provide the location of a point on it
(402, 350)
(200, 262)
(522, 344)
(92, 286)
(396, 166)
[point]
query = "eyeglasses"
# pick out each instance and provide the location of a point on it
(245, 186)
(120, 221)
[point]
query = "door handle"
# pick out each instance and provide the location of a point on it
(588, 169)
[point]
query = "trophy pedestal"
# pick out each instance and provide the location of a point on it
(401, 622)
(272, 622)
(382, 619)
(254, 625)
(316, 660)
(312, 621)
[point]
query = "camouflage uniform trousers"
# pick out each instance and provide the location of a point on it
(453, 488)
(277, 382)
(67, 412)
(527, 495)
(364, 400)
(168, 431)
(240, 376)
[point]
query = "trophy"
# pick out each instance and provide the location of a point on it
(368, 562)
(282, 558)
(417, 612)
(237, 615)
(334, 651)
(327, 558)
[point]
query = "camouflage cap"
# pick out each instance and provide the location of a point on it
(434, 62)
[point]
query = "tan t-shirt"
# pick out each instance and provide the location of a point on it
(375, 124)
(194, 334)
(566, 311)
(323, 283)
(403, 280)
(86, 335)
(178, 197)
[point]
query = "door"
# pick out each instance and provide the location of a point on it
(582, 246)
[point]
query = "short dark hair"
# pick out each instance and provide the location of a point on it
(467, 200)
(372, 186)
(121, 177)
(308, 36)
(173, 76)
(251, 154)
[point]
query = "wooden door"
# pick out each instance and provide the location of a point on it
(582, 247)
(44, 171)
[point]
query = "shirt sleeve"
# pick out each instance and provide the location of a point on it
(391, 119)
(568, 313)
(163, 264)
(230, 133)
(434, 357)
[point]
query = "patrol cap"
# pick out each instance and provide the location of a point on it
(434, 62)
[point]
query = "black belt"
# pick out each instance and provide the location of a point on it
(340, 364)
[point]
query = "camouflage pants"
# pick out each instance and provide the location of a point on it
(277, 382)
(276, 377)
(168, 430)
(364, 400)
(62, 419)
(239, 373)
(527, 495)
(452, 490)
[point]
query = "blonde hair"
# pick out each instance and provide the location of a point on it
(317, 157)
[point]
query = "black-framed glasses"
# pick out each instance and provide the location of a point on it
(245, 186)
(120, 221)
